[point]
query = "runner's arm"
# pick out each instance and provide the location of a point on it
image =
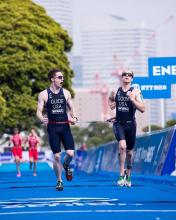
(137, 100)
(70, 106)
(40, 107)
(111, 100)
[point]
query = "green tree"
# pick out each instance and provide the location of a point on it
(31, 43)
(3, 108)
(95, 134)
(153, 128)
(170, 123)
(78, 135)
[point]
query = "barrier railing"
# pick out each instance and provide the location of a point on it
(154, 154)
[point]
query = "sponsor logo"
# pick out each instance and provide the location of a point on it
(164, 70)
(57, 111)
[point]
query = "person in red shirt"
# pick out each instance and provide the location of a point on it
(16, 140)
(33, 142)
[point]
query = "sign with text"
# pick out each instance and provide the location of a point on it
(152, 88)
(162, 68)
(162, 73)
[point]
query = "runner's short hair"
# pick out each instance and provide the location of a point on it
(52, 72)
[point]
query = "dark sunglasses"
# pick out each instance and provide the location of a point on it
(127, 74)
(59, 77)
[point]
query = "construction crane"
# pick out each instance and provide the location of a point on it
(119, 67)
(102, 89)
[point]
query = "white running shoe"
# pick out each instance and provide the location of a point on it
(128, 181)
(121, 181)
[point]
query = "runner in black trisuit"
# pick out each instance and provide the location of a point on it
(58, 101)
(126, 100)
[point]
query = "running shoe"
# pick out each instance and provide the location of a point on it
(128, 181)
(18, 174)
(59, 186)
(34, 174)
(121, 181)
(68, 172)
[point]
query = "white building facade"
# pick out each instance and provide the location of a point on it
(60, 11)
(105, 52)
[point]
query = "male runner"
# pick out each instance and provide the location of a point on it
(33, 142)
(16, 140)
(126, 100)
(58, 101)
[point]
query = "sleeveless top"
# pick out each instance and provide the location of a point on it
(56, 106)
(125, 109)
(33, 141)
(16, 139)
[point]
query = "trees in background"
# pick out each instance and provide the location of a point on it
(95, 134)
(31, 43)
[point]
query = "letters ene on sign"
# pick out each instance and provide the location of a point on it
(164, 70)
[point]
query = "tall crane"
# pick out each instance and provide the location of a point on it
(102, 89)
(119, 67)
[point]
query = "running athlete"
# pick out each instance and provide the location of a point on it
(16, 140)
(126, 100)
(33, 142)
(58, 102)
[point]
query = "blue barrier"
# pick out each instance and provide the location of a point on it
(7, 156)
(154, 154)
(151, 152)
(41, 155)
(170, 163)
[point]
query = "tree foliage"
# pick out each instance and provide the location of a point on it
(3, 107)
(170, 123)
(31, 43)
(152, 127)
(95, 134)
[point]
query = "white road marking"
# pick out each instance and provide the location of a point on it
(93, 211)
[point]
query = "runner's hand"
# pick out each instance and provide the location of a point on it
(44, 120)
(73, 120)
(131, 95)
(111, 120)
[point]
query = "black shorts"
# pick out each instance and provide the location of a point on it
(58, 133)
(127, 132)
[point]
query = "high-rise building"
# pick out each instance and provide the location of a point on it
(60, 11)
(88, 107)
(77, 68)
(108, 51)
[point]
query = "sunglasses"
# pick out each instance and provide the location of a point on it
(127, 74)
(59, 77)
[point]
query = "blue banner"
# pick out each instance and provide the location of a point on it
(154, 154)
(162, 73)
(152, 88)
(163, 68)
(7, 156)
(151, 152)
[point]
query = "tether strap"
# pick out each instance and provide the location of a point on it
(59, 122)
(111, 119)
